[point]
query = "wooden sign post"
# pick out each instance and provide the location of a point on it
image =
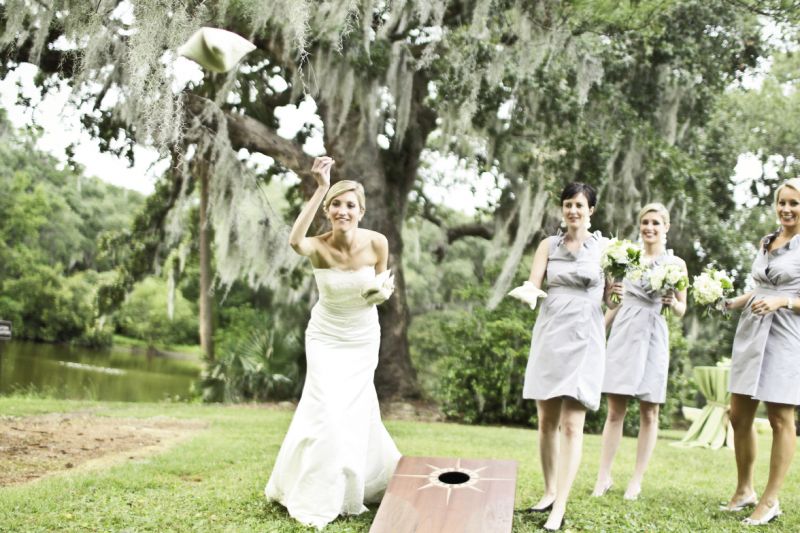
(448, 495)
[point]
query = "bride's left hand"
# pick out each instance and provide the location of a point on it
(379, 289)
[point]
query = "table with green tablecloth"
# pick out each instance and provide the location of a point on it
(712, 428)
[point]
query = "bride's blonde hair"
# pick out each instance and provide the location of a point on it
(341, 187)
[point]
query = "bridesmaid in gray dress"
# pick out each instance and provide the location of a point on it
(637, 354)
(565, 368)
(765, 365)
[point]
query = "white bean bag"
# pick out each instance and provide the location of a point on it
(215, 49)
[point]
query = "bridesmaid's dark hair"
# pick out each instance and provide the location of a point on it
(578, 187)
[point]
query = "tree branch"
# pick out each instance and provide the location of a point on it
(461, 231)
(474, 229)
(249, 133)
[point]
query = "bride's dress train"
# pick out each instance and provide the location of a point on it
(337, 454)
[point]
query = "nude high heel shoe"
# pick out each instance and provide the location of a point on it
(771, 514)
(735, 507)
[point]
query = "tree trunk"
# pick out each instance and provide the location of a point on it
(395, 376)
(388, 177)
(206, 323)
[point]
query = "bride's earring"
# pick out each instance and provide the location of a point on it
(563, 224)
(588, 222)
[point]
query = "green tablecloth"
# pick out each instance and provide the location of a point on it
(712, 428)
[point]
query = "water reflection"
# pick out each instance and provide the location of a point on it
(115, 374)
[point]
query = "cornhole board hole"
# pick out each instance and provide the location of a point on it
(448, 495)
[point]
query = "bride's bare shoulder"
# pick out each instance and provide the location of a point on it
(375, 238)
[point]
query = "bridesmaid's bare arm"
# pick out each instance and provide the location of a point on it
(738, 302)
(539, 266)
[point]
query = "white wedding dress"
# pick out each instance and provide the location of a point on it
(336, 454)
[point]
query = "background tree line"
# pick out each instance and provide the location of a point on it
(642, 99)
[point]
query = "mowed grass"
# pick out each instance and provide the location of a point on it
(215, 481)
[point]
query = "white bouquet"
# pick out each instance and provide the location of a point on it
(710, 289)
(667, 278)
(379, 289)
(528, 293)
(620, 258)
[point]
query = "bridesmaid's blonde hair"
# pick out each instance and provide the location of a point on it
(793, 183)
(341, 187)
(655, 207)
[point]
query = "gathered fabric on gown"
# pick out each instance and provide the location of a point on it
(637, 353)
(568, 341)
(337, 454)
(765, 363)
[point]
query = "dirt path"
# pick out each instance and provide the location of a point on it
(36, 446)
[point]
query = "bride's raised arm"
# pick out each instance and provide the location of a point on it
(297, 237)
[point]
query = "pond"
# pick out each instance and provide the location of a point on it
(112, 374)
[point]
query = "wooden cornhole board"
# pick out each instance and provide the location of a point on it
(448, 495)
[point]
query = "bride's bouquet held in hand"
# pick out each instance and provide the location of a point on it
(666, 279)
(528, 293)
(711, 288)
(379, 289)
(620, 258)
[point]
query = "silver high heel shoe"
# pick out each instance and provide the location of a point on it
(750, 501)
(771, 514)
(601, 493)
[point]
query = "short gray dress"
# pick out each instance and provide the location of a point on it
(568, 345)
(637, 353)
(765, 364)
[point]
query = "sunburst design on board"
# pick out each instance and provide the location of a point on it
(474, 478)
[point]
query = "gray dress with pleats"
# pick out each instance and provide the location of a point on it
(765, 364)
(568, 345)
(637, 353)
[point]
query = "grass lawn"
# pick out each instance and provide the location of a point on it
(215, 481)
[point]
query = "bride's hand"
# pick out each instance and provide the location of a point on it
(379, 289)
(321, 169)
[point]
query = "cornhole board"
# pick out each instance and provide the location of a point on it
(448, 495)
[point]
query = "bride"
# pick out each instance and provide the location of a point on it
(337, 454)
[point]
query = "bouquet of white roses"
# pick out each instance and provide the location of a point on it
(667, 278)
(710, 289)
(620, 258)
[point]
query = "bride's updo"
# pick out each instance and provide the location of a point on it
(341, 187)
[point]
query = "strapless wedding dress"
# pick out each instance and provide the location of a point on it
(337, 454)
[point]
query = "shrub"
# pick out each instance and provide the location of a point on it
(144, 315)
(473, 363)
(44, 305)
(483, 373)
(260, 366)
